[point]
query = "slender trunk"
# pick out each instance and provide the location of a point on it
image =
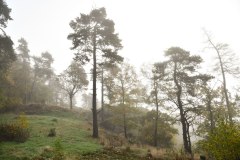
(227, 100)
(189, 140)
(156, 118)
(125, 125)
(102, 97)
(225, 89)
(185, 130)
(32, 87)
(25, 83)
(212, 124)
(124, 111)
(25, 92)
(186, 136)
(94, 100)
(224, 81)
(70, 98)
(209, 108)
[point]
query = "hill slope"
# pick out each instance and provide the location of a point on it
(71, 133)
(73, 136)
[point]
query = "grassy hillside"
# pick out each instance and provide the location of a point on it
(71, 133)
(73, 136)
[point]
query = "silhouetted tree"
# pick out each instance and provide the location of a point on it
(164, 124)
(158, 72)
(42, 70)
(154, 75)
(127, 87)
(7, 54)
(227, 64)
(25, 68)
(181, 76)
(94, 34)
(72, 80)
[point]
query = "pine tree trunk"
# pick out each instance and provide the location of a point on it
(94, 100)
(186, 136)
(124, 111)
(156, 129)
(156, 118)
(102, 97)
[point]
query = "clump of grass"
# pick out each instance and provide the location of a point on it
(58, 145)
(47, 153)
(55, 120)
(58, 150)
(55, 153)
(52, 132)
(128, 149)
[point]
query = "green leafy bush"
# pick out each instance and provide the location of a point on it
(15, 131)
(224, 142)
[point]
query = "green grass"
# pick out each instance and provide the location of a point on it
(72, 133)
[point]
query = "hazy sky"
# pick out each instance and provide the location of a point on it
(146, 27)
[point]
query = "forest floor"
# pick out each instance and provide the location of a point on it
(73, 139)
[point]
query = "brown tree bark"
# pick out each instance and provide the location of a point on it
(185, 127)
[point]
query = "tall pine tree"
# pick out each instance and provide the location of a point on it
(94, 34)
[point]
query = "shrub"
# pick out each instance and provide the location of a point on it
(52, 132)
(224, 142)
(15, 131)
(22, 121)
(55, 120)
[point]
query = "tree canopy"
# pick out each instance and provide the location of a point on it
(7, 54)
